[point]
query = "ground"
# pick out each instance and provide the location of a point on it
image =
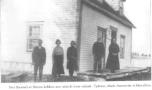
(48, 78)
(136, 77)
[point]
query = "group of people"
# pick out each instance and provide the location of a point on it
(58, 56)
(99, 54)
(39, 58)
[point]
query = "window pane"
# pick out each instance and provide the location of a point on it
(113, 34)
(34, 35)
(122, 46)
(30, 44)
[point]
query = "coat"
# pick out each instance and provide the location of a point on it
(98, 49)
(113, 58)
(72, 58)
(39, 56)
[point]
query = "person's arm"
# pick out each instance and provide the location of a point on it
(62, 55)
(44, 56)
(118, 48)
(68, 54)
(76, 54)
(103, 49)
(110, 50)
(33, 56)
(93, 48)
(117, 51)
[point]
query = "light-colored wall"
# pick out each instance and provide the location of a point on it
(59, 22)
(90, 20)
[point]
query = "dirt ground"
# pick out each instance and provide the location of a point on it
(63, 78)
(46, 78)
(136, 77)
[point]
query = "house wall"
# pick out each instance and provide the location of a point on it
(91, 19)
(59, 21)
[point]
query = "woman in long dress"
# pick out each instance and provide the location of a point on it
(113, 57)
(58, 56)
(72, 58)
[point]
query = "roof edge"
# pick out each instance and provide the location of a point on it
(108, 13)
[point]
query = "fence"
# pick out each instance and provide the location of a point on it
(14, 66)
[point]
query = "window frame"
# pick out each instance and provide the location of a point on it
(113, 29)
(122, 46)
(29, 25)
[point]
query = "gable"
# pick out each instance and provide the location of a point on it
(107, 10)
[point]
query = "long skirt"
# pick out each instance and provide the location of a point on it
(113, 62)
(58, 65)
(72, 65)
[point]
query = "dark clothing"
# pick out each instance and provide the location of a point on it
(113, 59)
(39, 56)
(38, 59)
(97, 63)
(57, 65)
(72, 63)
(71, 71)
(36, 68)
(98, 52)
(98, 49)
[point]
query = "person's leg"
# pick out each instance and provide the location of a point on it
(71, 72)
(95, 63)
(40, 72)
(99, 64)
(35, 71)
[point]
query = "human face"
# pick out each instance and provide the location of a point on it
(58, 43)
(72, 43)
(99, 40)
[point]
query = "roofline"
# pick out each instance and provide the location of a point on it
(111, 15)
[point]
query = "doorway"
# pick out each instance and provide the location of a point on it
(101, 33)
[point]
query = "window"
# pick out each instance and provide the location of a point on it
(33, 35)
(101, 33)
(122, 46)
(113, 32)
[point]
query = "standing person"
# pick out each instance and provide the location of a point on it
(58, 56)
(113, 59)
(72, 58)
(38, 59)
(98, 53)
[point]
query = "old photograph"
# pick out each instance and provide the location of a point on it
(75, 40)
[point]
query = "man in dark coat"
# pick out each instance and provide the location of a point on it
(98, 53)
(72, 58)
(38, 59)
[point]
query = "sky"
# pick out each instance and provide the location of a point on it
(138, 11)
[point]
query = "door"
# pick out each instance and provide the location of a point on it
(113, 34)
(101, 33)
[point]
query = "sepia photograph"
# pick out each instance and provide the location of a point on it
(75, 40)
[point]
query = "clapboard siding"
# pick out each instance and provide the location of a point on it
(91, 19)
(66, 28)
(60, 19)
